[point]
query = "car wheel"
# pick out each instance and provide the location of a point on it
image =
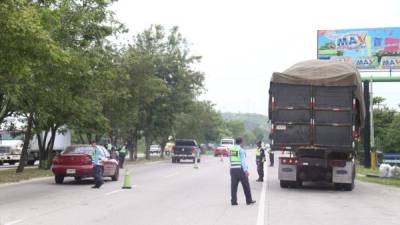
(116, 174)
(59, 179)
(78, 179)
(11, 163)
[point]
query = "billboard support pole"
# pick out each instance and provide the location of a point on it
(367, 126)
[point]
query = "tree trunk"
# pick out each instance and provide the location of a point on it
(135, 144)
(147, 141)
(50, 145)
(163, 143)
(27, 139)
(89, 137)
(42, 149)
(82, 139)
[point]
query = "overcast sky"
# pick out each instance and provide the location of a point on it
(243, 42)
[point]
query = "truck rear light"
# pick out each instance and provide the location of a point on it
(273, 103)
(289, 161)
(337, 163)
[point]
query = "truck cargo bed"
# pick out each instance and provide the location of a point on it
(310, 116)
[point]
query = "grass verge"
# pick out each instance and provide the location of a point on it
(10, 176)
(362, 172)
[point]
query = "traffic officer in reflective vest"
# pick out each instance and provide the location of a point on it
(122, 154)
(97, 166)
(260, 159)
(239, 172)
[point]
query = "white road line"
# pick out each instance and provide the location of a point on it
(152, 163)
(14, 222)
(171, 175)
(117, 191)
(261, 206)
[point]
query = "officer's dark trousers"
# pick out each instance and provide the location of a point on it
(237, 174)
(271, 159)
(97, 175)
(260, 170)
(121, 160)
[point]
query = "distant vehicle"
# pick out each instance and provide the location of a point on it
(316, 110)
(185, 149)
(76, 161)
(228, 142)
(155, 149)
(12, 141)
(221, 150)
(10, 146)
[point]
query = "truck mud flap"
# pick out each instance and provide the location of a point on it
(287, 172)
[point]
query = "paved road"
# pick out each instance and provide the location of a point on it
(176, 194)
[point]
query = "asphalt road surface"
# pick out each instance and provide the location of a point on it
(177, 194)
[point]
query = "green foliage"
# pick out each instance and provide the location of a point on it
(200, 122)
(386, 127)
(252, 127)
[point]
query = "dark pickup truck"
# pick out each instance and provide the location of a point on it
(185, 149)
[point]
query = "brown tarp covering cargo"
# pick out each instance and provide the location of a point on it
(324, 73)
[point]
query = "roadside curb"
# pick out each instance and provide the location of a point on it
(25, 181)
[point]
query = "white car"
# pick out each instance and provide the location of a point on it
(155, 149)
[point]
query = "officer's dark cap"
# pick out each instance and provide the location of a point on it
(238, 140)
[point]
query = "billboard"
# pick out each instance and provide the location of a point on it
(368, 49)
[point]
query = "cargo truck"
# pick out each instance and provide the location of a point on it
(316, 110)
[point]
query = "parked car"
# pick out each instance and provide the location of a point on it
(155, 149)
(221, 150)
(185, 149)
(76, 161)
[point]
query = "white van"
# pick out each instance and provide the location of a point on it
(228, 142)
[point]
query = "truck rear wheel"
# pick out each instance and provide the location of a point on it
(284, 184)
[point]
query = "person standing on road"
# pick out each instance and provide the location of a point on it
(239, 172)
(260, 159)
(109, 146)
(271, 155)
(97, 163)
(122, 154)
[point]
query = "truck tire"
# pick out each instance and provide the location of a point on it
(59, 179)
(173, 160)
(11, 163)
(284, 183)
(198, 160)
(116, 174)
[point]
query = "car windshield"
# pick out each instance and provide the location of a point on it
(78, 150)
(7, 136)
(185, 143)
(227, 142)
